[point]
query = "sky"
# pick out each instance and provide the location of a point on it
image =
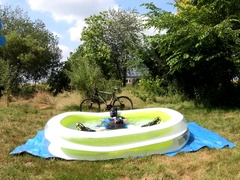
(65, 18)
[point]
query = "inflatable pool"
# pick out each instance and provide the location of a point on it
(65, 141)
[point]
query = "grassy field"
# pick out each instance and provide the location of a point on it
(24, 118)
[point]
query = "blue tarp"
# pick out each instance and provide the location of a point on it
(199, 138)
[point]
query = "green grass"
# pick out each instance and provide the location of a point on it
(23, 119)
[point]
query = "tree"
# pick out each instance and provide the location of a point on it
(59, 80)
(5, 80)
(31, 50)
(201, 47)
(110, 39)
(84, 72)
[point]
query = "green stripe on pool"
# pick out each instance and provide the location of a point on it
(118, 153)
(119, 140)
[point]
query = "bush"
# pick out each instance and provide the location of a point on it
(28, 91)
(149, 88)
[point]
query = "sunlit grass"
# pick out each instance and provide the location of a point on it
(24, 118)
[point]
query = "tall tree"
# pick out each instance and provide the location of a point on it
(59, 80)
(84, 72)
(31, 50)
(111, 37)
(201, 46)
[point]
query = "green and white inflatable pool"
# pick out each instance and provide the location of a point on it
(66, 142)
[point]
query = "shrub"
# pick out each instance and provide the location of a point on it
(149, 88)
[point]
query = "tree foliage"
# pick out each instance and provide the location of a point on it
(201, 47)
(31, 50)
(59, 80)
(110, 40)
(83, 72)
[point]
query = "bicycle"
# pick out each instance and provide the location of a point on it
(92, 104)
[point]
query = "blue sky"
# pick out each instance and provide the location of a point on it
(65, 18)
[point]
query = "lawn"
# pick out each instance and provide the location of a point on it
(24, 118)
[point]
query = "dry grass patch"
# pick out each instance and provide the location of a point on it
(44, 100)
(68, 99)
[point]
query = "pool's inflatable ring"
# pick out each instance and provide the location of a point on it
(65, 141)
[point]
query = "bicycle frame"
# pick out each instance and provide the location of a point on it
(95, 101)
(113, 97)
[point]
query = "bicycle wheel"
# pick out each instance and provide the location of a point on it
(90, 105)
(123, 103)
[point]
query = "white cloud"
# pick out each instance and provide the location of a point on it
(163, 31)
(75, 32)
(150, 32)
(72, 11)
(57, 34)
(65, 52)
